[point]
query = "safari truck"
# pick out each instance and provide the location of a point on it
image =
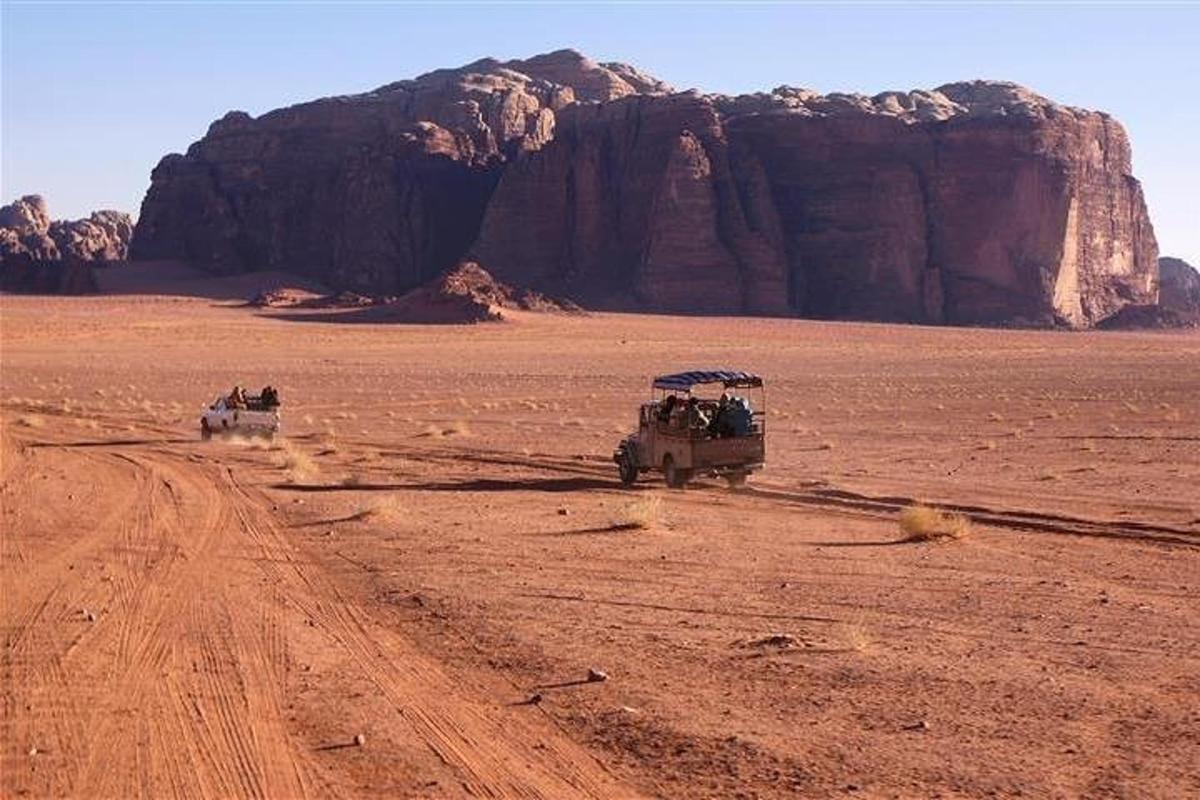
(238, 412)
(686, 433)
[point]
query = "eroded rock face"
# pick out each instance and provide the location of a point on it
(1179, 285)
(973, 203)
(977, 202)
(376, 192)
(40, 255)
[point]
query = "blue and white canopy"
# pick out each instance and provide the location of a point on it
(684, 381)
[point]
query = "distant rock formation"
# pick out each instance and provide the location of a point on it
(377, 192)
(1179, 286)
(466, 293)
(974, 203)
(40, 255)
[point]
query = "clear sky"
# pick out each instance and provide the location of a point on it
(95, 93)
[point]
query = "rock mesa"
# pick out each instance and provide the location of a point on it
(973, 203)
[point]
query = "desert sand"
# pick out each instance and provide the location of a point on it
(403, 595)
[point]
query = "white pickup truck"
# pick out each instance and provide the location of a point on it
(253, 418)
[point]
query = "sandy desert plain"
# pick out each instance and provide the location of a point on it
(403, 596)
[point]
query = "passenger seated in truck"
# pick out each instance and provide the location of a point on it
(741, 418)
(665, 407)
(721, 426)
(697, 419)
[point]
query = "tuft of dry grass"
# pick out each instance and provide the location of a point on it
(382, 508)
(641, 513)
(457, 428)
(922, 524)
(988, 445)
(298, 464)
(31, 421)
(854, 635)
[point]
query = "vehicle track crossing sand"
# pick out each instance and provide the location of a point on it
(151, 654)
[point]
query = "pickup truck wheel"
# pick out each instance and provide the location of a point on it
(736, 480)
(205, 431)
(676, 478)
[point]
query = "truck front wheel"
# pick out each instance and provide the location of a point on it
(205, 431)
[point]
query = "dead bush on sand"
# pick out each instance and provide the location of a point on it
(31, 421)
(384, 508)
(853, 634)
(641, 513)
(922, 524)
(457, 428)
(298, 464)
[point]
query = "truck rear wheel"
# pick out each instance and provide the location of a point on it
(737, 479)
(627, 464)
(676, 478)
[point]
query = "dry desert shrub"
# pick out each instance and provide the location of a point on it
(352, 480)
(457, 428)
(853, 634)
(298, 464)
(922, 524)
(988, 445)
(641, 513)
(383, 508)
(31, 421)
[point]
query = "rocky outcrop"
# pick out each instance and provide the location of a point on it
(377, 192)
(467, 293)
(1179, 286)
(974, 203)
(977, 202)
(40, 255)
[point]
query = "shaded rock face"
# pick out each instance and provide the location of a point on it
(1179, 286)
(376, 192)
(976, 202)
(40, 255)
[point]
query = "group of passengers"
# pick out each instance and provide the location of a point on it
(264, 401)
(729, 416)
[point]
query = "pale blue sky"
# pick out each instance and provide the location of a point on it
(94, 93)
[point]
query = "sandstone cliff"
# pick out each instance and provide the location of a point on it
(40, 255)
(376, 192)
(976, 202)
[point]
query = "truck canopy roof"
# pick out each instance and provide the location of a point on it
(684, 381)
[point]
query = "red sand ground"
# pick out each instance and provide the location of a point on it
(440, 538)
